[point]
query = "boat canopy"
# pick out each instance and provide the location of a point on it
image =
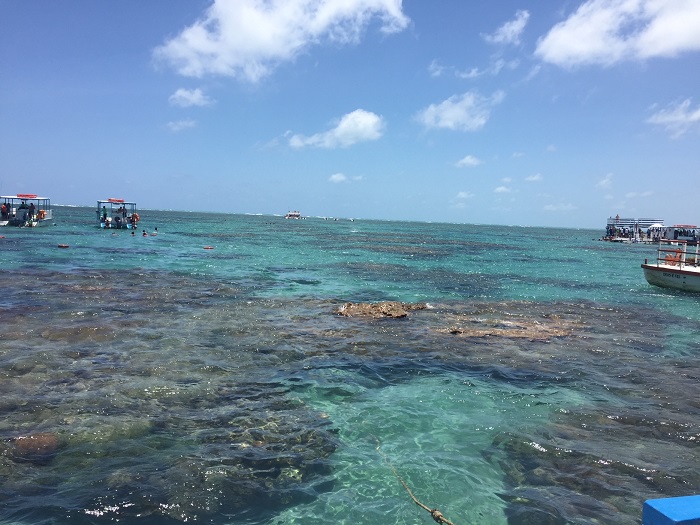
(23, 197)
(116, 202)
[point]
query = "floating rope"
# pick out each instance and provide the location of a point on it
(435, 513)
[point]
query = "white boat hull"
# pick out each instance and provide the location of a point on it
(686, 278)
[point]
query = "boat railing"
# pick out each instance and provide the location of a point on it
(676, 253)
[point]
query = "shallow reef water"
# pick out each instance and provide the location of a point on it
(533, 377)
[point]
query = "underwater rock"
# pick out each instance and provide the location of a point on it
(392, 309)
(38, 448)
(526, 511)
(498, 324)
(582, 483)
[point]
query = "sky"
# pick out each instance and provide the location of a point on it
(531, 113)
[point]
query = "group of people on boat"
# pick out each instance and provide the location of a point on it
(24, 212)
(688, 234)
(624, 232)
(652, 234)
(121, 218)
(6, 211)
(655, 234)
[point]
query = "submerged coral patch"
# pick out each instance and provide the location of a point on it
(393, 309)
(495, 323)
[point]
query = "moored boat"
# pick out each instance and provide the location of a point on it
(622, 229)
(681, 232)
(117, 213)
(293, 215)
(675, 266)
(25, 209)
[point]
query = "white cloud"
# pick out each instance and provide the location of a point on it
(337, 178)
(358, 126)
(608, 31)
(502, 189)
(189, 97)
(497, 65)
(468, 161)
(509, 33)
(435, 69)
(180, 125)
(605, 182)
(534, 71)
(637, 194)
(459, 202)
(494, 68)
(537, 177)
(560, 207)
(474, 72)
(467, 112)
(677, 119)
(249, 38)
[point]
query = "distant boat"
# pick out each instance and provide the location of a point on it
(675, 266)
(681, 232)
(25, 209)
(117, 213)
(623, 229)
(293, 215)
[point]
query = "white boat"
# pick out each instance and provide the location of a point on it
(25, 209)
(681, 232)
(675, 267)
(622, 229)
(293, 215)
(117, 213)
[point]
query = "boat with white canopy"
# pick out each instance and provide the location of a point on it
(25, 209)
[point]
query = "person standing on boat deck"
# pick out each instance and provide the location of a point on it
(4, 211)
(22, 211)
(31, 210)
(104, 213)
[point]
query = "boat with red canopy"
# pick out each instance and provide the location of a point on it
(116, 213)
(25, 209)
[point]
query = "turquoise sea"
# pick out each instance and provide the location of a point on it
(145, 379)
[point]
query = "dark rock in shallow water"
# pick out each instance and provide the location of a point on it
(392, 309)
(523, 511)
(37, 448)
